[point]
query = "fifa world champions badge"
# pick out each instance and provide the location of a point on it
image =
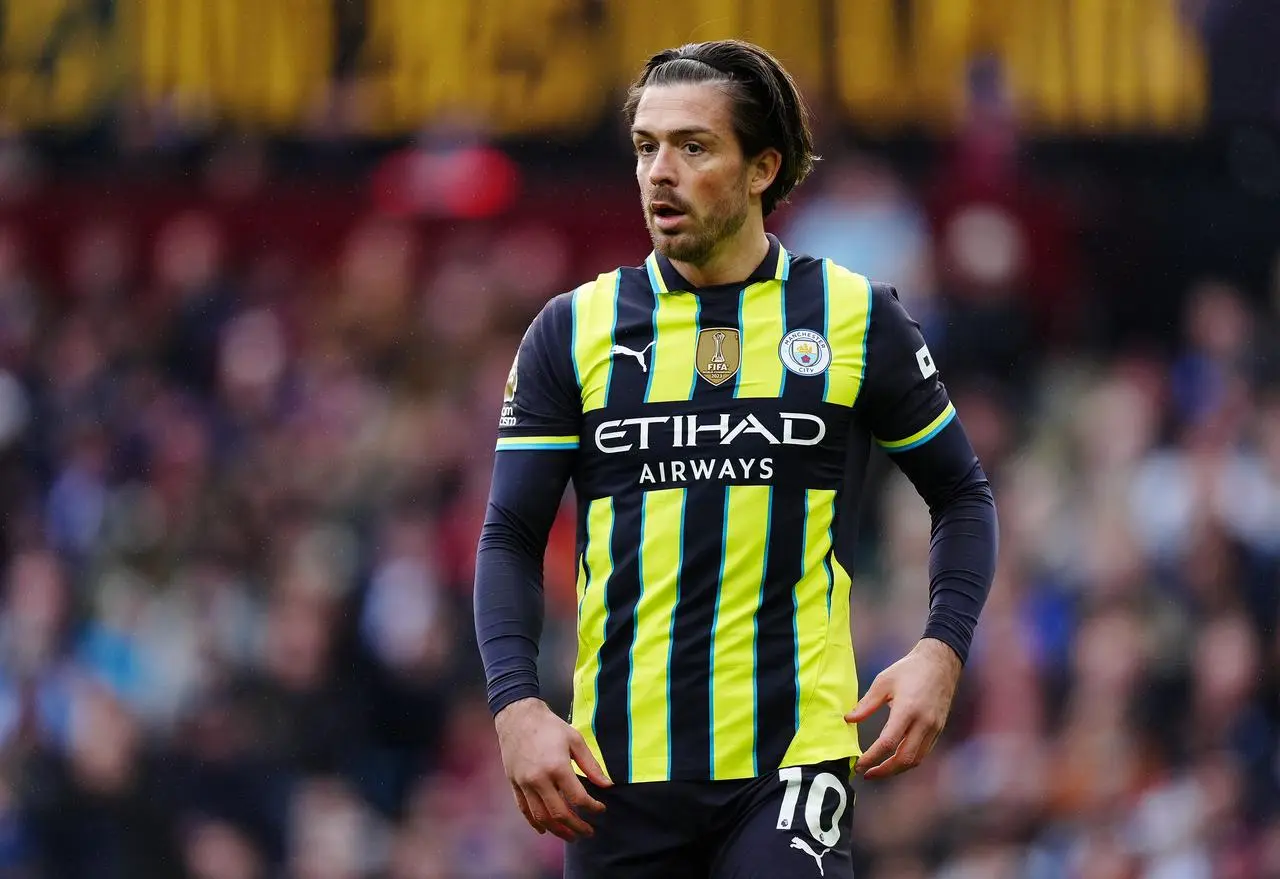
(718, 354)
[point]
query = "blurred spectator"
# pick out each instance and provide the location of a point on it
(863, 216)
(1007, 264)
(20, 301)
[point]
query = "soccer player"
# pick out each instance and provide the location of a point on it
(715, 409)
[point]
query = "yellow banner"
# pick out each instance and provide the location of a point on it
(557, 67)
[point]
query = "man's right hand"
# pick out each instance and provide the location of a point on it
(537, 747)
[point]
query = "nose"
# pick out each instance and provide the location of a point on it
(662, 170)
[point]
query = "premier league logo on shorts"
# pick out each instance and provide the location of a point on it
(805, 352)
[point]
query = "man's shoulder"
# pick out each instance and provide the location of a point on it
(801, 261)
(603, 286)
(829, 267)
(561, 305)
(588, 307)
(838, 280)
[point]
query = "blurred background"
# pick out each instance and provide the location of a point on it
(263, 267)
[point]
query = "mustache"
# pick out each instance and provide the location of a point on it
(669, 198)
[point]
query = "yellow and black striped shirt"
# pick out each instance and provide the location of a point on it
(719, 439)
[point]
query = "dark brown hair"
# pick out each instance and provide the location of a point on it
(768, 110)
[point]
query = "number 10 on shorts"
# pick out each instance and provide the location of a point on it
(793, 777)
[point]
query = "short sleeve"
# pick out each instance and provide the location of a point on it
(541, 404)
(903, 401)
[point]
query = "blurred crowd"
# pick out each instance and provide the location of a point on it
(239, 519)
(240, 500)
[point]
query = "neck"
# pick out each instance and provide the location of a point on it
(733, 260)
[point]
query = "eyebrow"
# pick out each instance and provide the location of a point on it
(674, 133)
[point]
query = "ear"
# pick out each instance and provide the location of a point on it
(764, 170)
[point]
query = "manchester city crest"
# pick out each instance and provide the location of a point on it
(805, 352)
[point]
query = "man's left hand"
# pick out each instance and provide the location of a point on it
(918, 689)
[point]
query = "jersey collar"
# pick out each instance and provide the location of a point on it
(664, 277)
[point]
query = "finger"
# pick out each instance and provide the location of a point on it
(545, 814)
(876, 696)
(541, 819)
(907, 755)
(571, 786)
(561, 819)
(522, 803)
(882, 748)
(587, 761)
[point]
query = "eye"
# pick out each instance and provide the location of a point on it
(693, 148)
(646, 148)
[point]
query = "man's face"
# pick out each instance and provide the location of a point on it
(692, 174)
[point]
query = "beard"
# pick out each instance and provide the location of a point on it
(702, 233)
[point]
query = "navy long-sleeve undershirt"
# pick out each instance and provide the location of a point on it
(527, 490)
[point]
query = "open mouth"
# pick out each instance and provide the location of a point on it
(666, 217)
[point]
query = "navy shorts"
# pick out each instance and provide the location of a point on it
(795, 822)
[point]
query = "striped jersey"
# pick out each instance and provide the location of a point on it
(720, 439)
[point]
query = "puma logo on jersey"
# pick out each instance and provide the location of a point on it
(801, 845)
(638, 355)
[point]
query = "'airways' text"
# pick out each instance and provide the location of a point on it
(719, 469)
